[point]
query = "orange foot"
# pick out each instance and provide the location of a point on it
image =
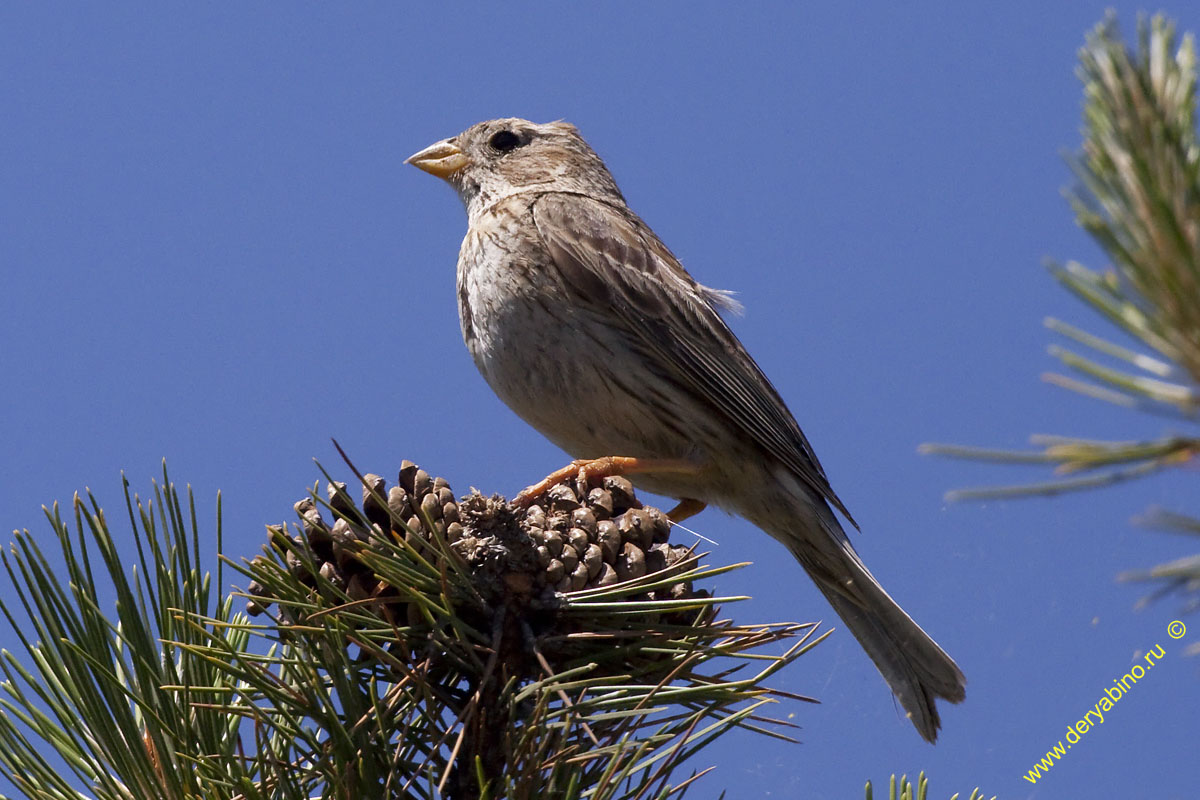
(587, 470)
(688, 507)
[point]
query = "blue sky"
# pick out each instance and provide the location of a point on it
(212, 253)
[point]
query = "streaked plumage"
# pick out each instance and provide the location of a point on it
(587, 326)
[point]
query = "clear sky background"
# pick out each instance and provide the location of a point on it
(212, 253)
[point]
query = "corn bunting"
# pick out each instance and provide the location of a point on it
(588, 327)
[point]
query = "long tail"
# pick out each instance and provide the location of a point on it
(912, 663)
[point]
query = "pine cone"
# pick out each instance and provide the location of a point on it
(570, 539)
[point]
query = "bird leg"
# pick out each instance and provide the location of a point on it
(688, 507)
(587, 470)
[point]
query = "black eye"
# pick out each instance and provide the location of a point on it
(504, 141)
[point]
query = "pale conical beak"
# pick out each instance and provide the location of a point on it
(442, 159)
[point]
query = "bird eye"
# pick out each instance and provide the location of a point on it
(504, 141)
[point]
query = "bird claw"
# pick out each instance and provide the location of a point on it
(588, 470)
(583, 470)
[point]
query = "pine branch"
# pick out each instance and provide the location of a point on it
(109, 705)
(1138, 195)
(412, 648)
(904, 790)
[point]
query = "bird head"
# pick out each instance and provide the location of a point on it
(502, 157)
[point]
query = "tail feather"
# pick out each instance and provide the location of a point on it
(912, 663)
(914, 666)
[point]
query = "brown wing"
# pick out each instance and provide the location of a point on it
(611, 260)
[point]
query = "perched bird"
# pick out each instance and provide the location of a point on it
(589, 328)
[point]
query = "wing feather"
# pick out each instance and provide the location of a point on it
(611, 260)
